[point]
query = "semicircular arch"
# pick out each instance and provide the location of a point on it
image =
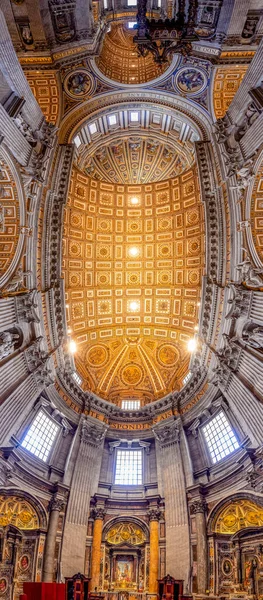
(228, 506)
(118, 521)
(169, 101)
(19, 497)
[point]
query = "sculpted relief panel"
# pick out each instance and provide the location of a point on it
(133, 264)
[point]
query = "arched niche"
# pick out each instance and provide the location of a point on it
(12, 217)
(235, 536)
(14, 503)
(125, 564)
(23, 520)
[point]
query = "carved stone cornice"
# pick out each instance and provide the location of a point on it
(198, 506)
(92, 434)
(169, 434)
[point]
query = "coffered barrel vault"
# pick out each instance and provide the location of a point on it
(133, 263)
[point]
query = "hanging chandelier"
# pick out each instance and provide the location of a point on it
(165, 37)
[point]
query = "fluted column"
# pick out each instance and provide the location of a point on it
(55, 506)
(98, 514)
(171, 470)
(198, 508)
(154, 516)
(90, 438)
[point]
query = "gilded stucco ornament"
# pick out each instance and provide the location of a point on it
(126, 532)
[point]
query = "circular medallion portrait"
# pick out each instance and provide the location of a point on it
(24, 562)
(227, 567)
(79, 84)
(3, 585)
(190, 81)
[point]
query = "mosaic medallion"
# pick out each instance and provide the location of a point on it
(167, 355)
(132, 374)
(190, 81)
(79, 84)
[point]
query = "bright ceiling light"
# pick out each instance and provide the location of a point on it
(192, 345)
(72, 346)
(134, 306)
(133, 251)
(134, 200)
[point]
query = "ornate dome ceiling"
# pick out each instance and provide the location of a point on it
(133, 263)
(136, 159)
(141, 145)
(119, 58)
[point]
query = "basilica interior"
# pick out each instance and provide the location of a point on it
(131, 299)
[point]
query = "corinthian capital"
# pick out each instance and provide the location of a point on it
(168, 434)
(98, 513)
(198, 506)
(56, 504)
(92, 434)
(154, 514)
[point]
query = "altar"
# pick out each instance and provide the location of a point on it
(124, 571)
(124, 565)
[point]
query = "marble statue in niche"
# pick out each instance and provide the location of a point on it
(25, 32)
(9, 342)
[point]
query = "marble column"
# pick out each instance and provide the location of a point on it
(198, 508)
(84, 483)
(55, 506)
(154, 516)
(98, 514)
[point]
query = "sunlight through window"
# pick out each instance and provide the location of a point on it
(220, 438)
(130, 404)
(128, 467)
(41, 435)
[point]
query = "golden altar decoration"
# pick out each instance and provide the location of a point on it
(126, 533)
